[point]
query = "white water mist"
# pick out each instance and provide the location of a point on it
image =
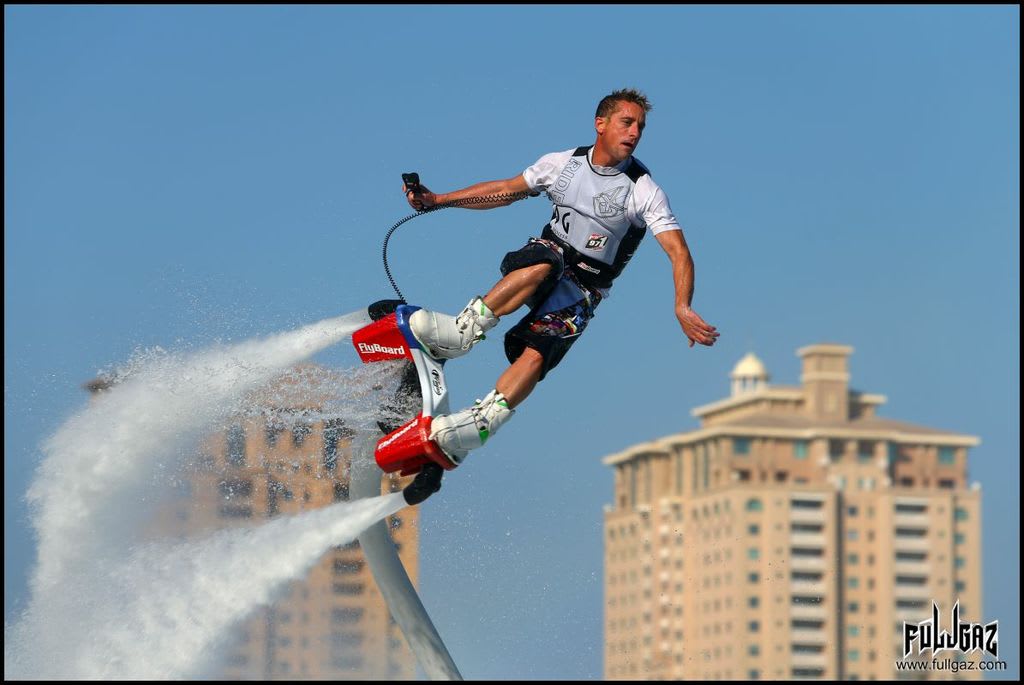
(163, 612)
(106, 455)
(102, 604)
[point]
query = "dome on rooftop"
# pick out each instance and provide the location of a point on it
(749, 367)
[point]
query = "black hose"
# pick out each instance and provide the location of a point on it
(483, 199)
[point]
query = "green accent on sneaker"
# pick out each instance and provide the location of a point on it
(484, 434)
(503, 403)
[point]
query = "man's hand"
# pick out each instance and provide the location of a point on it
(696, 329)
(421, 198)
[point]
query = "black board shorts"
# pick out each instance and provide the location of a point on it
(560, 308)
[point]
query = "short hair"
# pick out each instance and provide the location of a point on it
(607, 104)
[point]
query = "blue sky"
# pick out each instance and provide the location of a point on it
(179, 175)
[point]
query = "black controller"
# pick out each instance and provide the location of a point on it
(412, 182)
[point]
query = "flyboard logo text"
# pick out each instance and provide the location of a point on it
(435, 378)
(963, 636)
(377, 347)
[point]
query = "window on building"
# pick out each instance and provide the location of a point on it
(960, 562)
(742, 475)
(806, 576)
(961, 514)
(333, 429)
(346, 614)
(947, 456)
(753, 529)
(893, 453)
(236, 445)
(272, 429)
(960, 586)
(807, 552)
(800, 449)
(853, 631)
(698, 456)
(865, 450)
(912, 581)
(707, 468)
(753, 602)
(852, 583)
(912, 603)
(753, 553)
(753, 650)
(836, 449)
(300, 431)
(741, 446)
(801, 648)
(236, 511)
(754, 504)
(753, 578)
(753, 626)
(348, 566)
(231, 488)
(348, 663)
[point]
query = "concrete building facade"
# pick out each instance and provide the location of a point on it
(788, 537)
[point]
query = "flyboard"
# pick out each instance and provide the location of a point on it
(406, 449)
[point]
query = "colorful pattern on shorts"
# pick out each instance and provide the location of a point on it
(568, 321)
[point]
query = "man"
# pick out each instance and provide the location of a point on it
(604, 203)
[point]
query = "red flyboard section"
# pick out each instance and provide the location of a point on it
(381, 341)
(408, 448)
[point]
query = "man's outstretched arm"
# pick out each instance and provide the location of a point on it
(424, 199)
(695, 328)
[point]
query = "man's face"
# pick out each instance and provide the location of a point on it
(620, 133)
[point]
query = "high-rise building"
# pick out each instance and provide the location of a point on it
(285, 456)
(789, 536)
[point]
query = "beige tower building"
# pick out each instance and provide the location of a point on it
(789, 536)
(283, 458)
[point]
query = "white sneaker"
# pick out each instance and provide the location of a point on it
(456, 434)
(448, 337)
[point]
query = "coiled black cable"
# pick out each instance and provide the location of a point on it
(479, 200)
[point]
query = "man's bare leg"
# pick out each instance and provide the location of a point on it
(512, 291)
(468, 429)
(521, 377)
